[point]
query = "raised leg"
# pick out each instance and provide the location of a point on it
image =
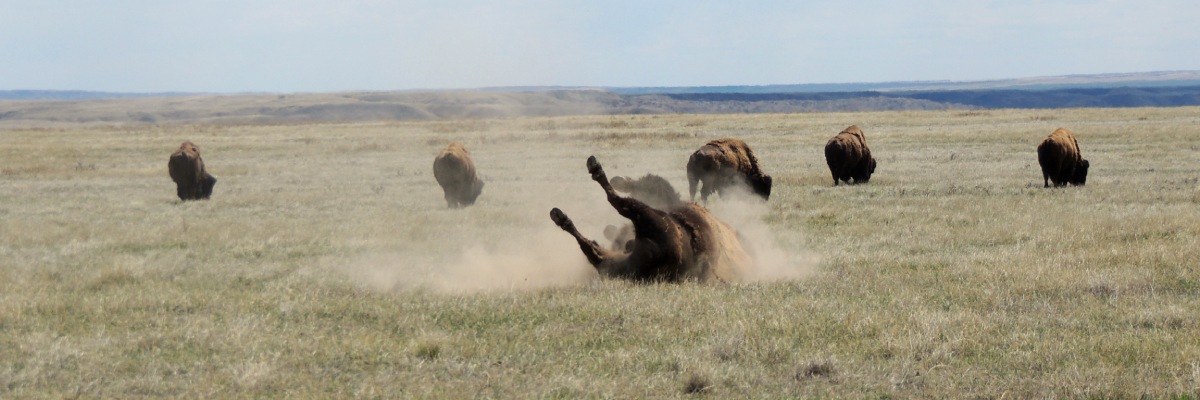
(592, 250)
(628, 207)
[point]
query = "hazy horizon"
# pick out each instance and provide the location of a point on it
(369, 45)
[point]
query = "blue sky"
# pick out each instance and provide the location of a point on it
(322, 46)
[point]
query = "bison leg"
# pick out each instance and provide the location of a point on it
(628, 207)
(182, 192)
(592, 250)
(692, 181)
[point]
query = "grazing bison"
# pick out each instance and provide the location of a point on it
(650, 189)
(1061, 159)
(686, 243)
(723, 163)
(455, 172)
(849, 157)
(192, 181)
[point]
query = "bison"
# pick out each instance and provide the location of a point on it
(684, 244)
(192, 181)
(455, 172)
(723, 163)
(849, 157)
(1061, 159)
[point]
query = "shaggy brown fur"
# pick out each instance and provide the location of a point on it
(1061, 159)
(650, 189)
(686, 243)
(849, 157)
(723, 163)
(455, 172)
(192, 181)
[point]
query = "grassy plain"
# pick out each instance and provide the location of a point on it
(326, 264)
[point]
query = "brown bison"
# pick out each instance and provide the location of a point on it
(1061, 159)
(723, 163)
(849, 157)
(455, 172)
(192, 181)
(686, 243)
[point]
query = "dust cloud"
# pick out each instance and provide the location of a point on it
(776, 252)
(484, 255)
(547, 258)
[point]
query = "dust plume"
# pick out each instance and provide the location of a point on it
(494, 246)
(777, 253)
(527, 262)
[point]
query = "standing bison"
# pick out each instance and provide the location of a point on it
(686, 243)
(186, 168)
(1061, 160)
(723, 163)
(849, 157)
(455, 172)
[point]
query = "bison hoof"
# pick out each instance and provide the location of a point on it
(594, 168)
(561, 219)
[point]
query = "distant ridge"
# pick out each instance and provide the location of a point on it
(80, 95)
(1092, 81)
(34, 108)
(1133, 79)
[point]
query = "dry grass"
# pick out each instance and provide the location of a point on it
(326, 264)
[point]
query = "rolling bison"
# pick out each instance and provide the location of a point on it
(686, 243)
(849, 157)
(455, 172)
(1061, 159)
(723, 163)
(192, 181)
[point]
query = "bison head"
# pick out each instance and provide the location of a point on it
(472, 193)
(862, 174)
(761, 184)
(1079, 176)
(206, 185)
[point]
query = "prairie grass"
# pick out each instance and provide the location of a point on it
(327, 265)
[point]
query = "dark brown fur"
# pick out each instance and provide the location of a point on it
(1061, 160)
(455, 172)
(723, 163)
(686, 243)
(849, 157)
(192, 181)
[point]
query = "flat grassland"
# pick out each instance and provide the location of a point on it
(327, 265)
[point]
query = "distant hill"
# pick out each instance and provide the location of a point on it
(24, 108)
(1137, 79)
(78, 95)
(1007, 98)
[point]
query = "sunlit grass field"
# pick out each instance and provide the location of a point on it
(326, 264)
